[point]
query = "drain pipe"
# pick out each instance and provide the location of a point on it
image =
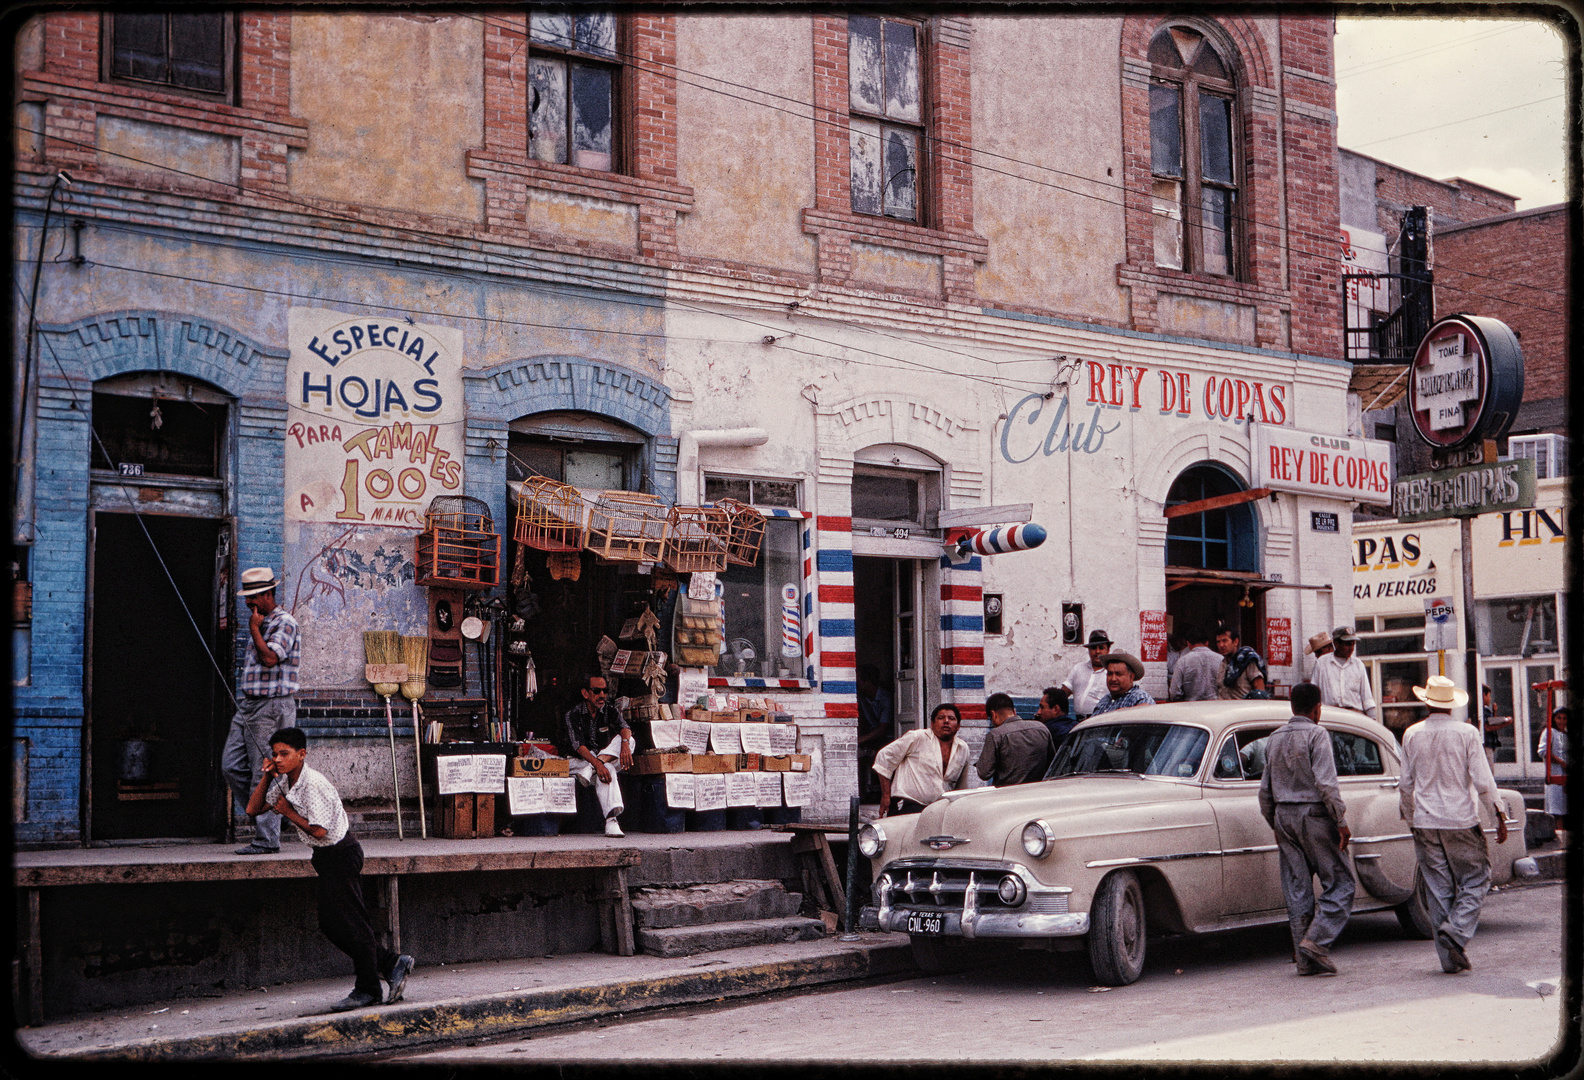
(690, 479)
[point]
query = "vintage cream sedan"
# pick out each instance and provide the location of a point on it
(1147, 824)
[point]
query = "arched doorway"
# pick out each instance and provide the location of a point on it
(1212, 553)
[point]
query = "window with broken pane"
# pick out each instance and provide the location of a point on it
(574, 77)
(1193, 156)
(185, 51)
(886, 130)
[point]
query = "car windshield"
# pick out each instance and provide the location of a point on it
(1146, 749)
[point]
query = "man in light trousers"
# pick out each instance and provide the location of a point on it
(268, 700)
(1445, 777)
(1302, 803)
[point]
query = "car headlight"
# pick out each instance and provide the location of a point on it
(871, 840)
(1038, 838)
(1011, 890)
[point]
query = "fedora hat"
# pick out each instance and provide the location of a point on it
(1097, 637)
(1319, 641)
(1134, 664)
(257, 579)
(1439, 693)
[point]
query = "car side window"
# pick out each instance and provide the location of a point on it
(1242, 756)
(1356, 755)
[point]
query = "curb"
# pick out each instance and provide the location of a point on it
(406, 1027)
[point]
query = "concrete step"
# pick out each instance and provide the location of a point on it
(687, 940)
(715, 902)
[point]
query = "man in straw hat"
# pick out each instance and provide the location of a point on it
(1122, 670)
(1444, 778)
(268, 685)
(1342, 677)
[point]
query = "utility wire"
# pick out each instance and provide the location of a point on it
(1465, 120)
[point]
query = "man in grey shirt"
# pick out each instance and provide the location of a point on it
(1302, 802)
(1015, 751)
(1198, 672)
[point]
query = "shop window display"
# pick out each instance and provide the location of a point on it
(1520, 626)
(764, 606)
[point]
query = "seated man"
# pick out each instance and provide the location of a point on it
(594, 722)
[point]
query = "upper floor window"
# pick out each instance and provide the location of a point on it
(574, 84)
(887, 119)
(191, 52)
(1193, 160)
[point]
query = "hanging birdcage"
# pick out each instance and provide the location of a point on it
(459, 547)
(745, 528)
(696, 539)
(550, 515)
(627, 526)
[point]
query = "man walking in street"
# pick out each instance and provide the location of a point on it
(1302, 802)
(1342, 677)
(1198, 673)
(1242, 670)
(1123, 670)
(1015, 751)
(918, 768)
(311, 803)
(597, 734)
(1086, 682)
(1445, 778)
(268, 702)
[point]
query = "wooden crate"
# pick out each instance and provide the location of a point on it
(696, 539)
(745, 528)
(456, 557)
(626, 526)
(465, 817)
(550, 516)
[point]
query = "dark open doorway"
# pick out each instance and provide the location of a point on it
(154, 734)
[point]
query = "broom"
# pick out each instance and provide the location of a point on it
(384, 647)
(415, 654)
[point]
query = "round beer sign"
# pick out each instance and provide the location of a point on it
(1466, 381)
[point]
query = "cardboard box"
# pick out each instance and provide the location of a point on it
(800, 762)
(526, 766)
(727, 717)
(650, 764)
(747, 762)
(752, 716)
(786, 763)
(714, 763)
(699, 716)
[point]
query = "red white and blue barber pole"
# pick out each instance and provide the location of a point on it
(1001, 540)
(791, 624)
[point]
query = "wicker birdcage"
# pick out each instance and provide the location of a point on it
(459, 547)
(745, 530)
(550, 515)
(627, 526)
(696, 539)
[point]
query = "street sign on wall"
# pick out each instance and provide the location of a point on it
(1341, 467)
(1468, 492)
(1466, 381)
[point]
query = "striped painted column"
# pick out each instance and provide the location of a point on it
(962, 636)
(838, 648)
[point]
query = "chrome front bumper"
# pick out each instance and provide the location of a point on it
(1033, 918)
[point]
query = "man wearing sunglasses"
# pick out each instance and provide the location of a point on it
(594, 722)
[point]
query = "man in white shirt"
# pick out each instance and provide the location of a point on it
(1445, 777)
(1087, 680)
(1342, 677)
(922, 764)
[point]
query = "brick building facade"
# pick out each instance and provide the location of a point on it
(852, 236)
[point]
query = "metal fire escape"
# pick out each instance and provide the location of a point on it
(1391, 338)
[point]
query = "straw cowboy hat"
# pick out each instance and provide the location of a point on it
(1322, 640)
(1439, 693)
(1134, 664)
(257, 579)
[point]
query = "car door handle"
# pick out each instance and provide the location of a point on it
(1390, 784)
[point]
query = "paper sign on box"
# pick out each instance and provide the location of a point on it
(756, 738)
(560, 795)
(769, 785)
(783, 738)
(742, 789)
(797, 788)
(525, 795)
(666, 733)
(726, 738)
(709, 792)
(680, 791)
(695, 737)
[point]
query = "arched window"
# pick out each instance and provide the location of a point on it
(1193, 153)
(1221, 539)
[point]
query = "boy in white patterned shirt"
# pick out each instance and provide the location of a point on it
(311, 803)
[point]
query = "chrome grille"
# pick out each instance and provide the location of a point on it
(944, 888)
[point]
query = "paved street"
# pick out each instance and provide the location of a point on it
(1228, 998)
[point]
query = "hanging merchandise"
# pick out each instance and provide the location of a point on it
(696, 539)
(564, 565)
(445, 639)
(459, 547)
(698, 632)
(550, 516)
(745, 528)
(627, 526)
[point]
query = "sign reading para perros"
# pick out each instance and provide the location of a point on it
(374, 424)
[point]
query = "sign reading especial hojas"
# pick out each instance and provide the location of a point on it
(374, 426)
